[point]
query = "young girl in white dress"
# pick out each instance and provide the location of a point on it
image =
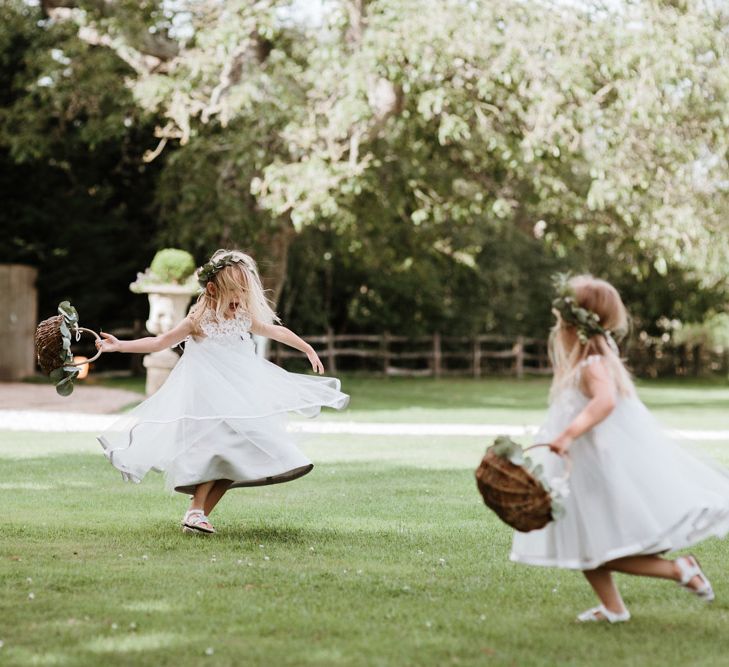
(219, 421)
(633, 494)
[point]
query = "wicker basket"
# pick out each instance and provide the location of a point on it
(49, 344)
(513, 493)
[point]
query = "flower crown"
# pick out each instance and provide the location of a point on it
(585, 321)
(207, 271)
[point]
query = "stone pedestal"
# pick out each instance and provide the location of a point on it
(159, 365)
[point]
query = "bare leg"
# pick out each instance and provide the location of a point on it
(216, 493)
(200, 495)
(650, 566)
(602, 583)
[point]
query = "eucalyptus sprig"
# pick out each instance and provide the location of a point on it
(65, 374)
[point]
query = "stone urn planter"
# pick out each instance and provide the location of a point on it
(170, 286)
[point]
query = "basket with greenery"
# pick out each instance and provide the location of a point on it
(516, 488)
(53, 338)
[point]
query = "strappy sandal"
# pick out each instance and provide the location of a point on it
(602, 613)
(195, 521)
(689, 568)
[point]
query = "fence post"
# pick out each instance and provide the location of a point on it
(476, 357)
(696, 360)
(436, 355)
(518, 350)
(331, 354)
(385, 351)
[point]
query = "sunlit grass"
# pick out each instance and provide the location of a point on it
(678, 403)
(383, 555)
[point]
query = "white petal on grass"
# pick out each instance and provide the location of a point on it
(148, 605)
(134, 643)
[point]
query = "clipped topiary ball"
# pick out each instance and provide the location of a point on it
(172, 265)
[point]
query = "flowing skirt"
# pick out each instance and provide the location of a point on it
(632, 491)
(221, 414)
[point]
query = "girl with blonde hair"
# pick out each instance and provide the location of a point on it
(633, 494)
(219, 421)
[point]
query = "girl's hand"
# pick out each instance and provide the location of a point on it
(561, 444)
(314, 360)
(109, 344)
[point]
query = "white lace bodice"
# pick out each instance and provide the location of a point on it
(229, 331)
(566, 405)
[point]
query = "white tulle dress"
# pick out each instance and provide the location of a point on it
(221, 414)
(632, 490)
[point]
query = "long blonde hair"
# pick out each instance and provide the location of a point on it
(238, 280)
(566, 351)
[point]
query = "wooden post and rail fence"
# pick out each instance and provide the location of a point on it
(434, 355)
(475, 356)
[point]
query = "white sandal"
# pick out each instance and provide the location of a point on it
(602, 613)
(689, 568)
(195, 521)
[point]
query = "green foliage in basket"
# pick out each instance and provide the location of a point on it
(64, 375)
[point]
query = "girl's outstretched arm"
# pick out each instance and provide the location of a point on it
(148, 344)
(288, 337)
(598, 385)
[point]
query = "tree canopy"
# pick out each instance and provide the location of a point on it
(396, 164)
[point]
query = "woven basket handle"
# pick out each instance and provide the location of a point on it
(96, 356)
(565, 456)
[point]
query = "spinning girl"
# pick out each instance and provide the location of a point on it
(634, 494)
(219, 421)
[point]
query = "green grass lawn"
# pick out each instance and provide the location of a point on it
(383, 555)
(681, 403)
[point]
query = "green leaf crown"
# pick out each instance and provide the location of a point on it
(207, 271)
(586, 322)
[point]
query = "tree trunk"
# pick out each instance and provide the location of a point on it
(275, 246)
(273, 267)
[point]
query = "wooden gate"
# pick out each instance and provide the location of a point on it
(18, 319)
